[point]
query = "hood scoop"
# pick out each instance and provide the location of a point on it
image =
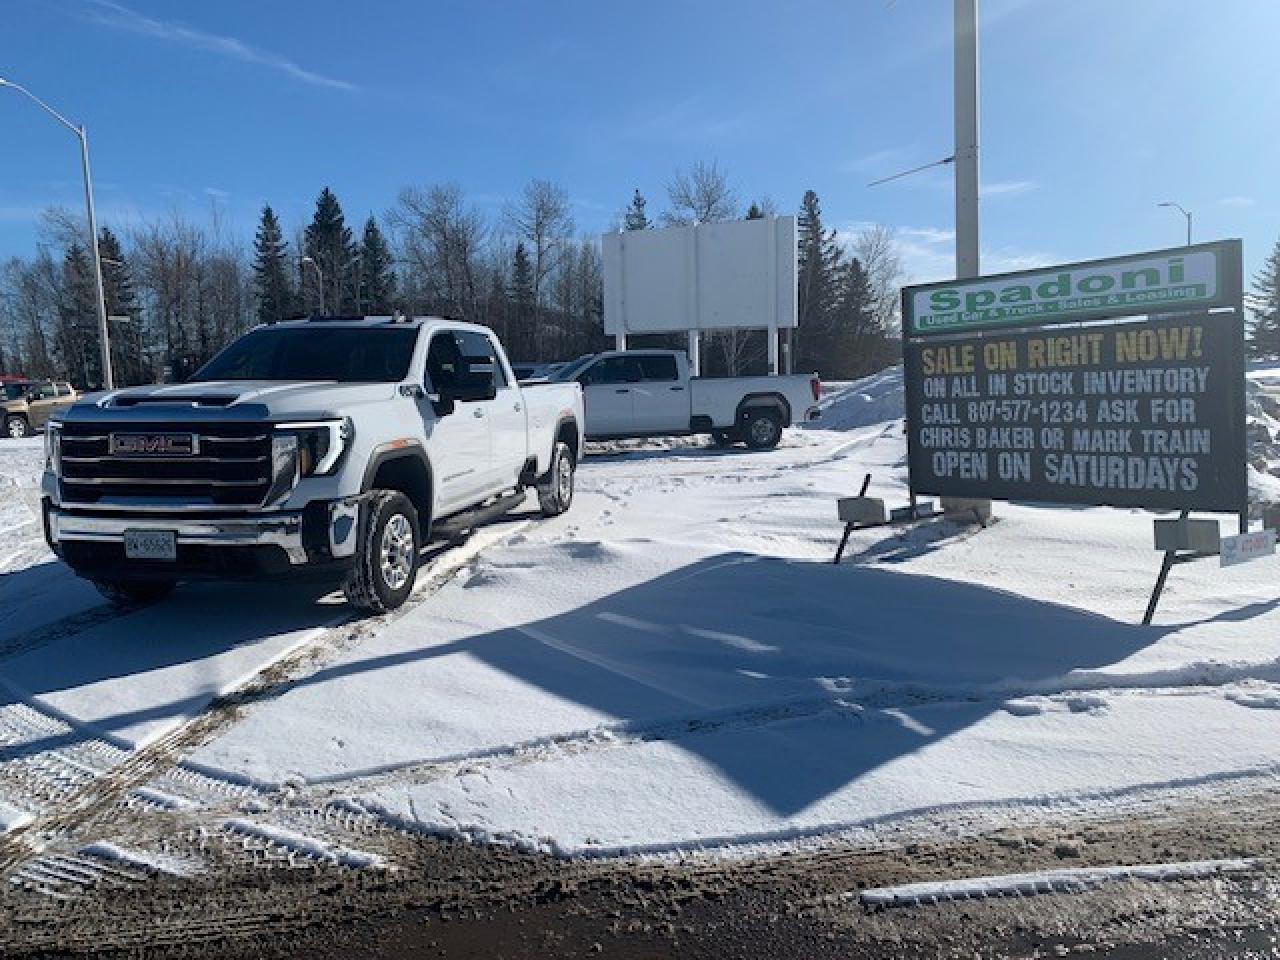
(191, 400)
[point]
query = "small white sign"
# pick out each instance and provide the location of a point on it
(1248, 546)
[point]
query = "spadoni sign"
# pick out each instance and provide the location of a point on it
(1147, 412)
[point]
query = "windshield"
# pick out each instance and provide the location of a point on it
(570, 370)
(350, 355)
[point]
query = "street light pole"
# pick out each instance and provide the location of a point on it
(104, 336)
(1185, 212)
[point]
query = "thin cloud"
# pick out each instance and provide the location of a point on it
(1008, 188)
(1239, 203)
(119, 17)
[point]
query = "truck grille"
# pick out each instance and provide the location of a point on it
(231, 466)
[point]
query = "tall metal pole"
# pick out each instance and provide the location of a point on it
(108, 380)
(1181, 209)
(104, 336)
(966, 164)
(966, 118)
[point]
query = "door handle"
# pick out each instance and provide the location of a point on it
(677, 388)
(517, 408)
(477, 412)
(622, 391)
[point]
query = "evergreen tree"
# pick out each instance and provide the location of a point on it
(328, 242)
(275, 293)
(820, 263)
(377, 274)
(77, 331)
(856, 337)
(754, 212)
(523, 303)
(636, 218)
(1264, 331)
(124, 319)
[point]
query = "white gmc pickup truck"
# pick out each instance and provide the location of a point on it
(649, 393)
(323, 447)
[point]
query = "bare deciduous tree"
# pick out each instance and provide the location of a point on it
(700, 194)
(876, 248)
(544, 222)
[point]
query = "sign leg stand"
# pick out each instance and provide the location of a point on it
(1170, 558)
(844, 540)
(1165, 567)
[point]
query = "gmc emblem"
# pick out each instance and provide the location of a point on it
(154, 445)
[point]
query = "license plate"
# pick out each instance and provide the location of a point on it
(150, 545)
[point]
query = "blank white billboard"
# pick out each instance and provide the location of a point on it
(713, 276)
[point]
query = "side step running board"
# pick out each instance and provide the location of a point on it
(460, 523)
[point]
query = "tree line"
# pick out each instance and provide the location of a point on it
(177, 290)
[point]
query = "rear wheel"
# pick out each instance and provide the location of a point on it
(763, 429)
(135, 593)
(387, 554)
(555, 487)
(15, 426)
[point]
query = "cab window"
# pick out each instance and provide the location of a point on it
(658, 367)
(613, 370)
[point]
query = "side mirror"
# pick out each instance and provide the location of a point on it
(443, 402)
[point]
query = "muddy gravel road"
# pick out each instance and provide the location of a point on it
(457, 899)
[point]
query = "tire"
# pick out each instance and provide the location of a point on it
(16, 426)
(763, 429)
(555, 487)
(387, 553)
(134, 593)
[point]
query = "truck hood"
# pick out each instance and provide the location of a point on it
(232, 399)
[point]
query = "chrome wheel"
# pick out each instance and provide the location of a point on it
(564, 479)
(396, 551)
(17, 428)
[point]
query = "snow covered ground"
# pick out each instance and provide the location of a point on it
(675, 664)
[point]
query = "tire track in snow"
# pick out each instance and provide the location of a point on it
(81, 786)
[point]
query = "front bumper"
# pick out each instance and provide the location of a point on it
(321, 536)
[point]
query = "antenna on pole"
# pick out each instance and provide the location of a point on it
(906, 173)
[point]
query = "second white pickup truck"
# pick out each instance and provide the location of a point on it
(649, 393)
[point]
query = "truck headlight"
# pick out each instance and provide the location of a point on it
(53, 446)
(320, 444)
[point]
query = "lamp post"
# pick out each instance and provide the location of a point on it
(319, 281)
(108, 380)
(1185, 212)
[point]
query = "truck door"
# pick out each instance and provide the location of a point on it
(608, 390)
(661, 401)
(458, 442)
(43, 403)
(508, 434)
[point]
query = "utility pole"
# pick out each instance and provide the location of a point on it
(966, 117)
(966, 169)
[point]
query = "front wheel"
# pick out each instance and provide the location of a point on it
(555, 487)
(134, 593)
(15, 426)
(763, 430)
(386, 562)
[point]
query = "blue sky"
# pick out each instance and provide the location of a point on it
(1092, 111)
